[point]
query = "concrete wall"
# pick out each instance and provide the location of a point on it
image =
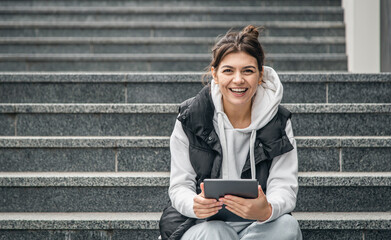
(385, 53)
(362, 19)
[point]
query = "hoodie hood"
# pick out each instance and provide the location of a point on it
(264, 108)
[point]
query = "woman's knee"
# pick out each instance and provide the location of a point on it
(289, 227)
(212, 226)
(211, 230)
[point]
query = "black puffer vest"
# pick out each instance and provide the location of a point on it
(196, 116)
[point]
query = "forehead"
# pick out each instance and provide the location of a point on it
(238, 59)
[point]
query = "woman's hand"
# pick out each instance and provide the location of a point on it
(205, 207)
(253, 209)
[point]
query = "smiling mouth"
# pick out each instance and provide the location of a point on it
(238, 90)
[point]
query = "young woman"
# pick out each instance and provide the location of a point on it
(234, 122)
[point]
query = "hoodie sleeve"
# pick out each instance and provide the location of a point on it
(282, 184)
(182, 188)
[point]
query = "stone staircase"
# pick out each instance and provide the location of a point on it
(122, 35)
(86, 155)
(76, 165)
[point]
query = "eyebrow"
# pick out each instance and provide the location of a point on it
(228, 66)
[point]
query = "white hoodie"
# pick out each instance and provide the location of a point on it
(282, 184)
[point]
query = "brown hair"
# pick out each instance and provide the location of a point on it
(245, 40)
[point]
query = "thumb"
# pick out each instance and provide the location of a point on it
(260, 192)
(202, 194)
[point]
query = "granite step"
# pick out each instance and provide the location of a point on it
(171, 13)
(162, 45)
(158, 62)
(147, 192)
(152, 154)
(176, 87)
(97, 226)
(158, 3)
(166, 29)
(345, 225)
(159, 119)
(102, 226)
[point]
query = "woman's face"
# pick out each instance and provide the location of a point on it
(238, 77)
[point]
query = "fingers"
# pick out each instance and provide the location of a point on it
(236, 199)
(236, 211)
(246, 211)
(232, 205)
(206, 212)
(202, 190)
(260, 192)
(247, 208)
(205, 202)
(202, 215)
(231, 201)
(205, 207)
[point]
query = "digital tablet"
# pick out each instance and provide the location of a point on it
(217, 188)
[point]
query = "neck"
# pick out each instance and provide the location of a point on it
(240, 117)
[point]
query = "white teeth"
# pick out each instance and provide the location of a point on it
(238, 90)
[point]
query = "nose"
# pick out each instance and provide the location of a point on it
(238, 79)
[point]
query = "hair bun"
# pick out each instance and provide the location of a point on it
(251, 30)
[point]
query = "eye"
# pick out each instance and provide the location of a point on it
(248, 71)
(227, 70)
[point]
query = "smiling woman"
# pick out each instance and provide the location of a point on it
(238, 79)
(234, 129)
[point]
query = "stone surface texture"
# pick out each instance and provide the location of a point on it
(90, 92)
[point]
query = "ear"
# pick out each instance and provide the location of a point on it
(214, 75)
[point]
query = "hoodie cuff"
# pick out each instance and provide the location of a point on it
(189, 210)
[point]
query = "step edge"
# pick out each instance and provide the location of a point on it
(161, 179)
(123, 108)
(188, 25)
(181, 77)
(163, 141)
(172, 9)
(307, 221)
(163, 40)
